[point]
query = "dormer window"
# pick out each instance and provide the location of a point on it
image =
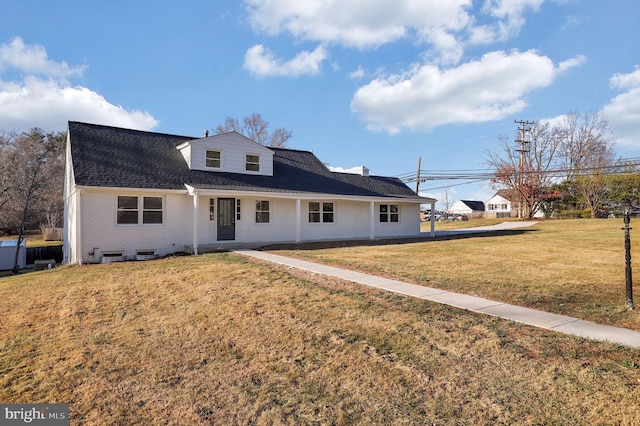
(213, 159)
(227, 153)
(252, 163)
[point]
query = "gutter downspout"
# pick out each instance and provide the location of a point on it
(298, 220)
(433, 218)
(372, 212)
(196, 206)
(79, 254)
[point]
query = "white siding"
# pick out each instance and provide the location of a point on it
(101, 234)
(233, 149)
(409, 225)
(498, 202)
(460, 208)
(69, 246)
(351, 222)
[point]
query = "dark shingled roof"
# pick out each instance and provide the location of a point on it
(122, 158)
(476, 206)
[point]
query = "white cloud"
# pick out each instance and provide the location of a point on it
(260, 61)
(446, 26)
(510, 15)
(571, 63)
(623, 111)
(357, 74)
(33, 59)
(43, 97)
(360, 24)
(49, 105)
(490, 88)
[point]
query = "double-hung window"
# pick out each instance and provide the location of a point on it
(134, 210)
(262, 211)
(152, 210)
(389, 213)
(321, 212)
(213, 159)
(127, 210)
(252, 163)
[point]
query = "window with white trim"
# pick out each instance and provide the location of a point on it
(252, 163)
(152, 210)
(389, 213)
(321, 212)
(262, 211)
(134, 210)
(212, 159)
(127, 210)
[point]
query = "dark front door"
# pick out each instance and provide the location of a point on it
(226, 219)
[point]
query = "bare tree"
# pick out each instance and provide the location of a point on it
(5, 175)
(31, 173)
(588, 155)
(257, 129)
(585, 139)
(447, 199)
(526, 171)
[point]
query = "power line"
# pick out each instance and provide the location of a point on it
(477, 175)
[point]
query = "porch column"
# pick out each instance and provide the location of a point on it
(372, 215)
(298, 220)
(196, 206)
(433, 218)
(79, 254)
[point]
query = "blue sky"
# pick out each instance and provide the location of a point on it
(358, 82)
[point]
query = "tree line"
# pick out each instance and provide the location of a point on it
(565, 168)
(31, 180)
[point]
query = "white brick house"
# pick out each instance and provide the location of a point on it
(131, 193)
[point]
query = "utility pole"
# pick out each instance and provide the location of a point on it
(418, 178)
(524, 148)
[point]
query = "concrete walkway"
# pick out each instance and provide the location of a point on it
(504, 226)
(561, 323)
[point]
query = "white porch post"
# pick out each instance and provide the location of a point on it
(372, 215)
(298, 219)
(196, 206)
(433, 219)
(79, 254)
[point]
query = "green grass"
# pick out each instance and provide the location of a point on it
(219, 339)
(33, 240)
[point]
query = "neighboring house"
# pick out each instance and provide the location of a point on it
(471, 209)
(505, 203)
(133, 194)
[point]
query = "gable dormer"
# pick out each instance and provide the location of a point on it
(228, 153)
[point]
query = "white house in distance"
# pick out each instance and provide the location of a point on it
(502, 204)
(130, 194)
(471, 209)
(505, 204)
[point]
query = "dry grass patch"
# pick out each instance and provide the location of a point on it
(218, 339)
(570, 267)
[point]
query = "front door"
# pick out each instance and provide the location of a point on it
(226, 219)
